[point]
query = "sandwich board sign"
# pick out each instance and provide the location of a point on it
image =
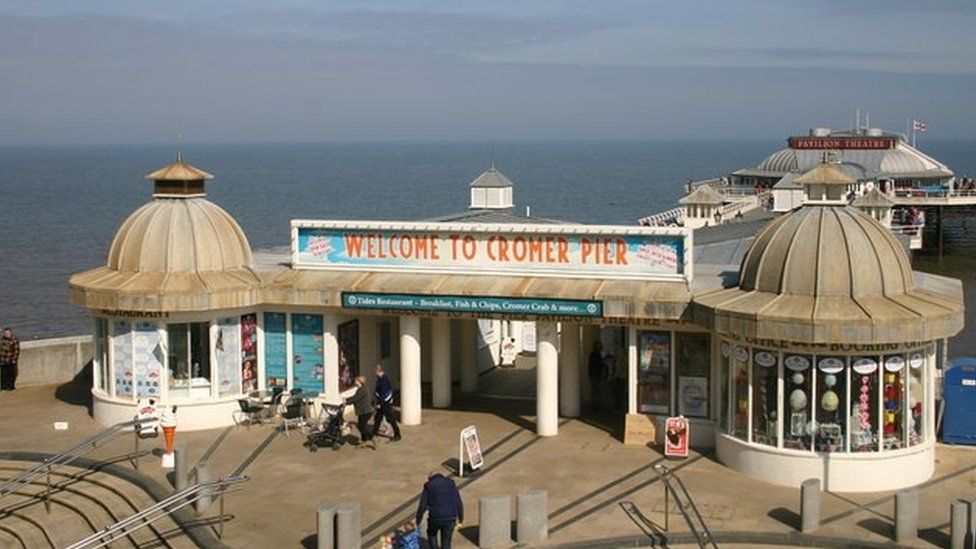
(468, 444)
(676, 437)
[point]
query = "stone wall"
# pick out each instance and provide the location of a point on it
(56, 360)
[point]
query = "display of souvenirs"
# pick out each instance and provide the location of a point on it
(801, 426)
(894, 402)
(863, 435)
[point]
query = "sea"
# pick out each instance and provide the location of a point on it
(61, 206)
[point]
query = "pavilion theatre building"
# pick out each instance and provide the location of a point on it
(818, 360)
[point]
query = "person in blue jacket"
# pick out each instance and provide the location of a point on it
(441, 500)
(384, 404)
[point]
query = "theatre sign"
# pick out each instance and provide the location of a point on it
(575, 251)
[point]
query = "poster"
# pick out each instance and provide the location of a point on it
(147, 359)
(249, 353)
(227, 347)
(693, 396)
(471, 447)
(307, 369)
(122, 357)
(348, 353)
(676, 437)
(654, 372)
(275, 350)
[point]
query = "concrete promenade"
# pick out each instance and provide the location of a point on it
(598, 488)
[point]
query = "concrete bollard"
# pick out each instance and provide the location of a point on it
(348, 530)
(325, 525)
(206, 495)
(971, 524)
(957, 524)
(906, 516)
(533, 517)
(810, 505)
(181, 471)
(495, 521)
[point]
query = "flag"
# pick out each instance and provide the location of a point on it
(919, 126)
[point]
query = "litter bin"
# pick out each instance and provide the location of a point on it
(959, 395)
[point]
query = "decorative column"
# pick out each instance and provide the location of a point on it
(469, 356)
(632, 370)
(440, 362)
(330, 350)
(569, 371)
(410, 370)
(547, 379)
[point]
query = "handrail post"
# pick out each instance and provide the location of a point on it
(220, 531)
(135, 457)
(47, 491)
(667, 506)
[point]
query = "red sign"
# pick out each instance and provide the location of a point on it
(676, 437)
(869, 143)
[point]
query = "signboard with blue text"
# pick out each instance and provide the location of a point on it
(473, 304)
(578, 251)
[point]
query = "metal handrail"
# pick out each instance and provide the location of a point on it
(654, 220)
(65, 458)
(124, 528)
(704, 536)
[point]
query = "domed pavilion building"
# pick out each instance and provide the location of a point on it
(827, 349)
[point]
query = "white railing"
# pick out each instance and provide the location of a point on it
(743, 205)
(716, 183)
(674, 215)
(914, 233)
(925, 193)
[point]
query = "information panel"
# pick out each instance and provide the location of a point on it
(275, 350)
(561, 250)
(472, 304)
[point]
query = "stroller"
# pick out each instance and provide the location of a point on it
(329, 432)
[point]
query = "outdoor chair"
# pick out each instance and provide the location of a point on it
(293, 412)
(249, 412)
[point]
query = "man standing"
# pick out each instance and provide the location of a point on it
(9, 354)
(441, 500)
(362, 401)
(384, 409)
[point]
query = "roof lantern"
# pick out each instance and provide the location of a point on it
(491, 190)
(826, 184)
(178, 180)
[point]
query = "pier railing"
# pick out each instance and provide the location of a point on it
(673, 216)
(914, 233)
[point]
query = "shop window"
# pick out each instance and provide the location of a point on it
(122, 358)
(275, 350)
(864, 404)
(740, 392)
(249, 353)
(894, 402)
(798, 383)
(654, 372)
(831, 420)
(101, 353)
(308, 372)
(147, 359)
(916, 397)
(692, 361)
(227, 353)
(189, 359)
(765, 372)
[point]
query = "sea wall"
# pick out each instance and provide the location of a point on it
(55, 360)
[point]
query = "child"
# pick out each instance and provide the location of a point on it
(409, 539)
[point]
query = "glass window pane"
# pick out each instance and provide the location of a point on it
(177, 355)
(740, 380)
(654, 372)
(227, 356)
(798, 383)
(765, 371)
(864, 404)
(894, 402)
(693, 363)
(122, 357)
(200, 351)
(724, 379)
(101, 352)
(916, 397)
(147, 359)
(831, 427)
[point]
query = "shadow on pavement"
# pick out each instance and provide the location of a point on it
(77, 392)
(786, 516)
(878, 526)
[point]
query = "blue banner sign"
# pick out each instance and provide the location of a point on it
(473, 304)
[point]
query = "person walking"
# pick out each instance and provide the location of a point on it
(441, 501)
(362, 401)
(384, 405)
(9, 355)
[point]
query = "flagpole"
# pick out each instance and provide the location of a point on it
(914, 131)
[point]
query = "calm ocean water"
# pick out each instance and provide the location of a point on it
(61, 206)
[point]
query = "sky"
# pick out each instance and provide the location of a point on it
(129, 71)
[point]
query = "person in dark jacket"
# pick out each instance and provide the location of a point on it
(384, 404)
(362, 401)
(442, 503)
(9, 355)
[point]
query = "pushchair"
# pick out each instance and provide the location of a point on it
(329, 431)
